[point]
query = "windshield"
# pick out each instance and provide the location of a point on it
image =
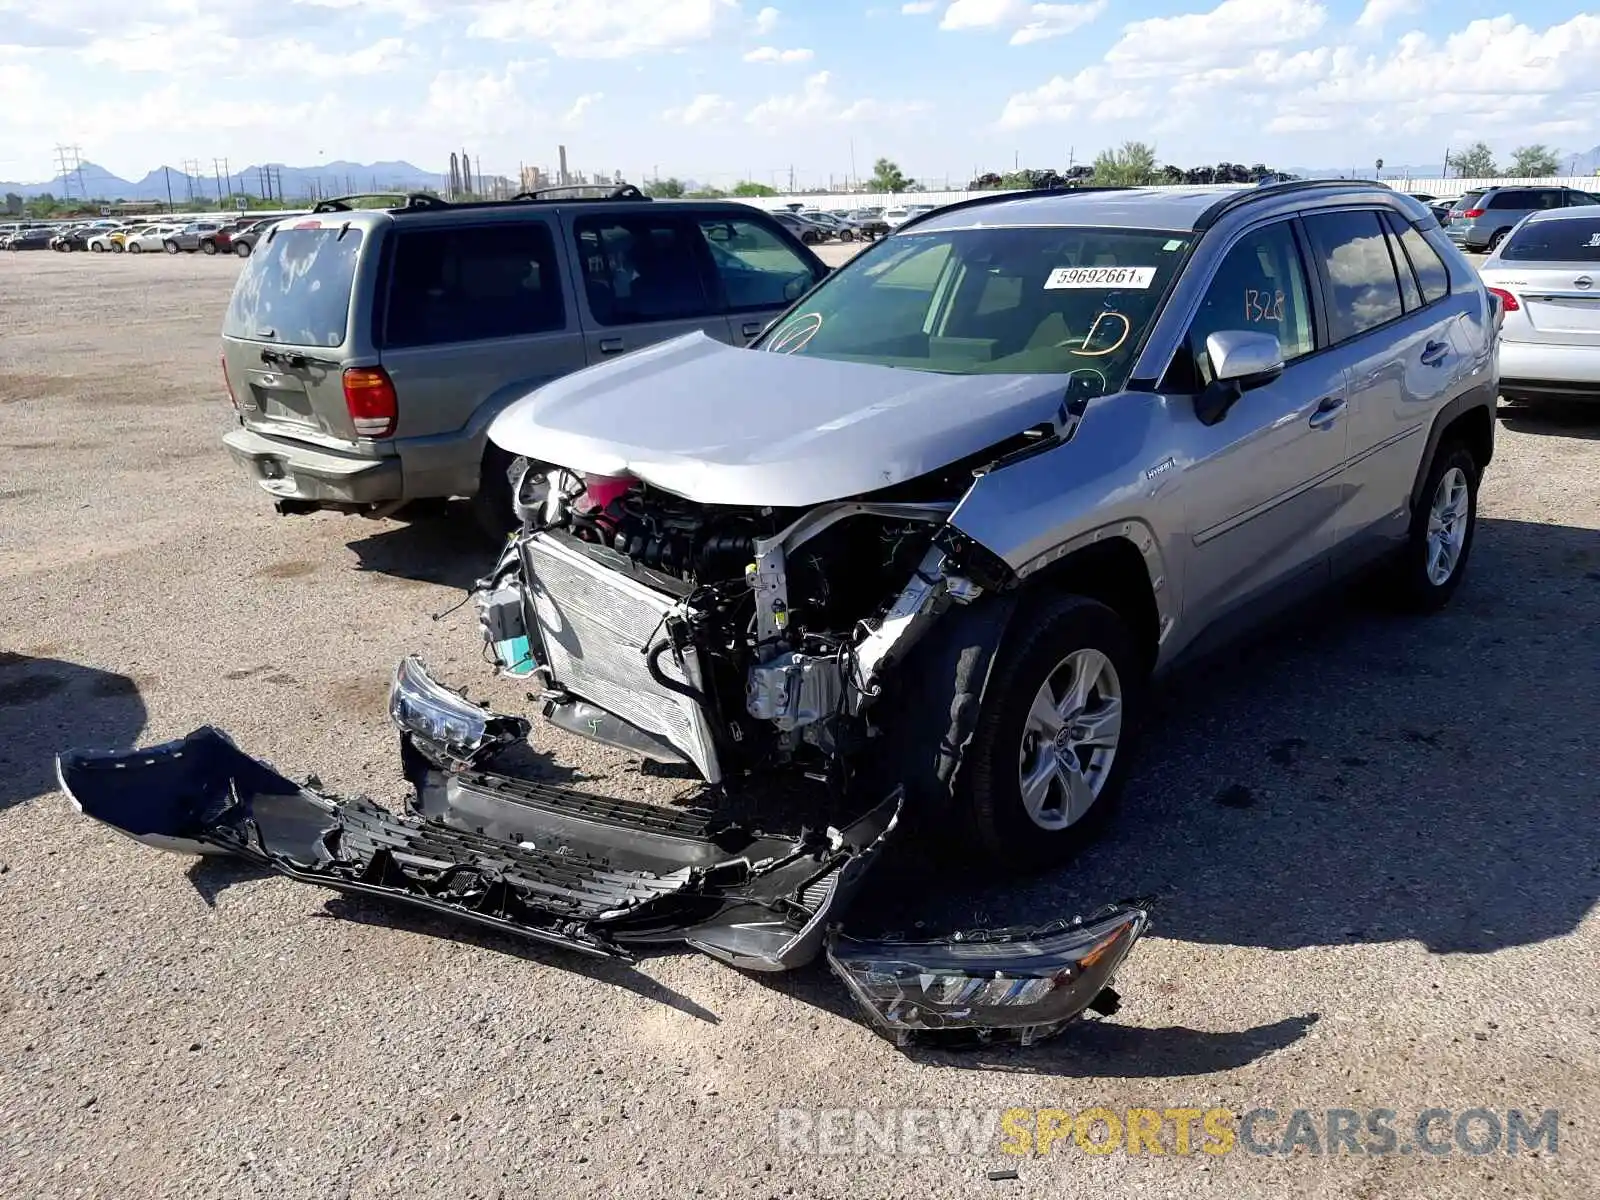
(992, 301)
(296, 287)
(1569, 240)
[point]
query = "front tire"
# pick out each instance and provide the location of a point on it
(209, 247)
(170, 247)
(1443, 528)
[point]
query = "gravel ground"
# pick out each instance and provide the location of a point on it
(1373, 842)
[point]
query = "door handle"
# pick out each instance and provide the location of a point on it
(611, 345)
(752, 328)
(1329, 410)
(1434, 353)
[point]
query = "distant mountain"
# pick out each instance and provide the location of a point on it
(328, 178)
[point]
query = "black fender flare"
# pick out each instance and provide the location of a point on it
(1447, 416)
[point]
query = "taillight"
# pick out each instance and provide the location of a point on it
(228, 383)
(1508, 302)
(1472, 214)
(370, 397)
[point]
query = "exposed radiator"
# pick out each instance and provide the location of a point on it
(595, 624)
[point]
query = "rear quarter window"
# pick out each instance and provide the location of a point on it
(295, 288)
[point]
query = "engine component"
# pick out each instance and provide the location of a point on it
(794, 690)
(929, 593)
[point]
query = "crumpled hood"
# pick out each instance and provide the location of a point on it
(720, 425)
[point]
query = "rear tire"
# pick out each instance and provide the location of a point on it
(1443, 528)
(242, 249)
(134, 248)
(97, 249)
(170, 247)
(208, 247)
(1499, 236)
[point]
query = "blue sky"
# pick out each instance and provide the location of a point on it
(723, 89)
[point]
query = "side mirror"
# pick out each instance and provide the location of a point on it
(1240, 360)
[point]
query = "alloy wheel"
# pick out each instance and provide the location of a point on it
(1447, 525)
(1070, 739)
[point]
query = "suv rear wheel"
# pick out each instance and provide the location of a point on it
(170, 247)
(1443, 526)
(209, 246)
(492, 506)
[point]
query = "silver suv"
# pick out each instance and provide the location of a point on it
(1480, 220)
(366, 351)
(949, 517)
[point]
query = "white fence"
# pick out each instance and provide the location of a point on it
(1443, 188)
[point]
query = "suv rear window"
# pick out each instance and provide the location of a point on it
(1468, 201)
(1571, 240)
(295, 288)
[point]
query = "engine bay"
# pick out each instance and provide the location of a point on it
(777, 626)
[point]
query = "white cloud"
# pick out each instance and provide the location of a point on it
(766, 20)
(771, 54)
(705, 109)
(580, 106)
(816, 102)
(1379, 13)
(1155, 45)
(919, 8)
(604, 28)
(1028, 22)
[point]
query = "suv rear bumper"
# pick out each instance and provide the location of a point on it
(306, 474)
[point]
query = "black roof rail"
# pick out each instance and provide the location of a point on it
(622, 191)
(412, 200)
(1247, 194)
(1003, 197)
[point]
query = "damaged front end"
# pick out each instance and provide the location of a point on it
(593, 874)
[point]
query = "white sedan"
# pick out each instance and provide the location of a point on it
(105, 241)
(1546, 275)
(150, 237)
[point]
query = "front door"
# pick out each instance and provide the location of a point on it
(1260, 489)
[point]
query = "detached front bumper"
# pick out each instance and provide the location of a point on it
(594, 874)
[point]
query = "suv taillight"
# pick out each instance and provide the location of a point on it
(228, 383)
(1472, 214)
(369, 395)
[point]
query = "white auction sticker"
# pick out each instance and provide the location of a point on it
(1100, 277)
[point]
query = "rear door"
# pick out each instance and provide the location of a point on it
(288, 330)
(756, 271)
(473, 316)
(645, 278)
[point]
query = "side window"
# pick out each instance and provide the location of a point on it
(1575, 199)
(758, 269)
(1261, 285)
(472, 284)
(1432, 275)
(640, 268)
(1409, 293)
(1363, 290)
(1549, 198)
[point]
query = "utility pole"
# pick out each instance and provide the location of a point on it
(216, 169)
(166, 173)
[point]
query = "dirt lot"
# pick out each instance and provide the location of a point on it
(1373, 842)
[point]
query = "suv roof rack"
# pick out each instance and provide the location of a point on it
(622, 191)
(1005, 197)
(412, 200)
(1247, 194)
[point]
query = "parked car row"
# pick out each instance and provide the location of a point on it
(215, 236)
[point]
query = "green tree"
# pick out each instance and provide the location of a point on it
(13, 204)
(41, 206)
(1533, 161)
(707, 193)
(749, 187)
(886, 177)
(664, 189)
(1475, 162)
(1133, 164)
